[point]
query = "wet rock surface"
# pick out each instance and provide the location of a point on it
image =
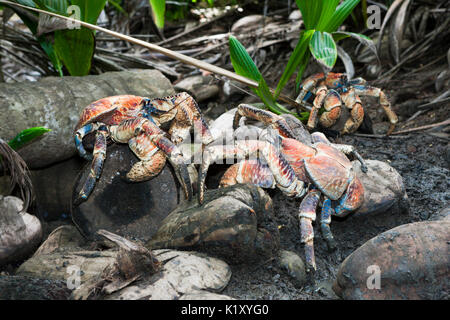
(294, 266)
(412, 261)
(56, 103)
(182, 273)
(133, 210)
(200, 87)
(234, 223)
(20, 232)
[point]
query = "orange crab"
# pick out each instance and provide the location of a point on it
(334, 89)
(317, 172)
(135, 120)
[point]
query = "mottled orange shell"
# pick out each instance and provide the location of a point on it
(111, 110)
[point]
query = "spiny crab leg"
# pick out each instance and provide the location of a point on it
(129, 129)
(266, 117)
(99, 155)
(384, 102)
(307, 214)
(284, 175)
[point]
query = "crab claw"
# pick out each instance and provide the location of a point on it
(178, 162)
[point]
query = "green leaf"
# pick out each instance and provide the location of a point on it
(301, 69)
(341, 13)
(75, 48)
(328, 9)
(50, 51)
(117, 6)
(90, 9)
(26, 136)
(365, 40)
(241, 60)
(323, 49)
(158, 10)
(295, 59)
(311, 12)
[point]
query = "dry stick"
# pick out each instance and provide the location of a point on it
(172, 54)
(429, 126)
(438, 99)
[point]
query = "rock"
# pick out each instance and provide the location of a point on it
(234, 223)
(56, 103)
(66, 265)
(26, 288)
(182, 273)
(295, 15)
(294, 265)
(443, 215)
(200, 87)
(53, 188)
(20, 232)
(64, 238)
(128, 209)
(204, 295)
(412, 261)
(250, 23)
(384, 191)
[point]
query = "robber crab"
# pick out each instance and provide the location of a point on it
(333, 89)
(317, 173)
(136, 120)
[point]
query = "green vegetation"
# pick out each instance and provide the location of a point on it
(322, 20)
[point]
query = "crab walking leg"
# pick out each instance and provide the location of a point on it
(378, 93)
(321, 93)
(352, 102)
(332, 105)
(280, 168)
(79, 135)
(267, 117)
(249, 172)
(99, 155)
(129, 129)
(152, 159)
(308, 86)
(325, 220)
(307, 214)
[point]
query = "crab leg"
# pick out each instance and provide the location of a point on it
(325, 220)
(79, 134)
(308, 86)
(282, 172)
(99, 155)
(184, 111)
(332, 103)
(352, 102)
(267, 117)
(307, 214)
(253, 172)
(129, 129)
(378, 93)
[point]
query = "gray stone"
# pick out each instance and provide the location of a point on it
(408, 262)
(133, 210)
(56, 103)
(64, 238)
(384, 191)
(204, 295)
(53, 188)
(183, 273)
(200, 87)
(442, 215)
(293, 265)
(20, 232)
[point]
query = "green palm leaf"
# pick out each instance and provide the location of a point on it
(323, 48)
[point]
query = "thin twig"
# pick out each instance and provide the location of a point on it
(429, 126)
